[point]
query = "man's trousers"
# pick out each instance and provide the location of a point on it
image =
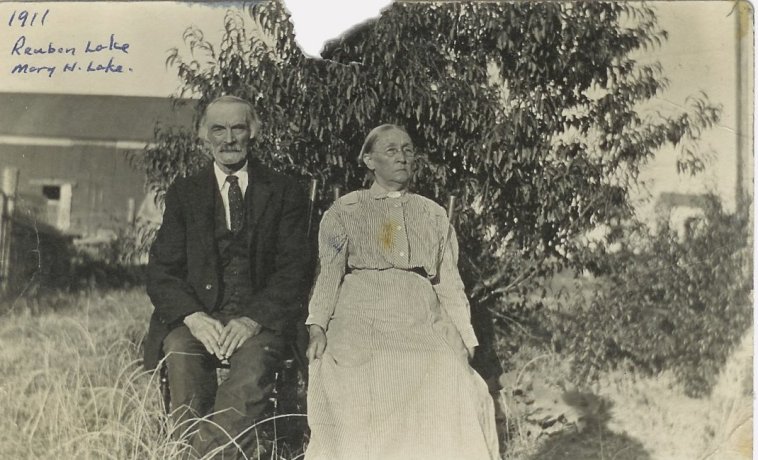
(235, 405)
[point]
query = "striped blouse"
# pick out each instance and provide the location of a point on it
(374, 230)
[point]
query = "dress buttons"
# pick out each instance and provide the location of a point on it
(402, 253)
(397, 205)
(399, 227)
(208, 287)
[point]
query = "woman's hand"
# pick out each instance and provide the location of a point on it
(317, 343)
(471, 352)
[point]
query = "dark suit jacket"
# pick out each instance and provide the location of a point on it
(183, 272)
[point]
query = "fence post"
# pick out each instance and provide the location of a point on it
(130, 214)
(3, 236)
(9, 187)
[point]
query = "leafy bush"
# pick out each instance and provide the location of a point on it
(47, 264)
(175, 153)
(534, 129)
(665, 301)
(103, 270)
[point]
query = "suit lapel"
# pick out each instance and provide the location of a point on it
(204, 187)
(257, 196)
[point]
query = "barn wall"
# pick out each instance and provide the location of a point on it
(103, 182)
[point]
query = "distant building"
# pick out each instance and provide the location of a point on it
(679, 198)
(72, 153)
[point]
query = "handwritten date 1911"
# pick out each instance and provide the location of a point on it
(26, 18)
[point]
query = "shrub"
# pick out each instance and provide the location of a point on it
(46, 264)
(665, 302)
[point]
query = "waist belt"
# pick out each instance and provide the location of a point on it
(421, 271)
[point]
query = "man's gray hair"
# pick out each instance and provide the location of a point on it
(251, 116)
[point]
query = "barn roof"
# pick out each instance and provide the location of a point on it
(90, 117)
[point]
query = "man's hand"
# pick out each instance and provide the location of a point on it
(236, 331)
(207, 330)
(317, 343)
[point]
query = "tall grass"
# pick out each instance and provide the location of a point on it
(73, 386)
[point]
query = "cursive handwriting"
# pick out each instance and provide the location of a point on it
(109, 67)
(19, 49)
(112, 45)
(104, 57)
(30, 69)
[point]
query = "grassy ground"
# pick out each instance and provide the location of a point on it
(626, 416)
(73, 388)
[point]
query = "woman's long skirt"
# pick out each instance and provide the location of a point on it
(394, 381)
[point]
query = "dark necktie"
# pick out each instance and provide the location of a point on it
(236, 211)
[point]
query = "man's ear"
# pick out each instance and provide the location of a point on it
(255, 128)
(254, 125)
(205, 147)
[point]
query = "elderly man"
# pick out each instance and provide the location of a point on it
(227, 274)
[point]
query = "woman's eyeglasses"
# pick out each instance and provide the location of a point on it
(407, 152)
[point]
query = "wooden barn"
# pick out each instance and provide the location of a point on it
(72, 153)
(67, 157)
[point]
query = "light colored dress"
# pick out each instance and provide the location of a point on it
(394, 381)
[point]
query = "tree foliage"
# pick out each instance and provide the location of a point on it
(535, 115)
(667, 301)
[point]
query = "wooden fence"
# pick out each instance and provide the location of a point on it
(8, 190)
(33, 254)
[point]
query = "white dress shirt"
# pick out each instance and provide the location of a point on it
(223, 186)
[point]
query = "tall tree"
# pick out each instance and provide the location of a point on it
(535, 115)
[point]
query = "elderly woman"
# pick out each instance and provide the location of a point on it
(389, 323)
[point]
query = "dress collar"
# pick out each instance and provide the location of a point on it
(378, 192)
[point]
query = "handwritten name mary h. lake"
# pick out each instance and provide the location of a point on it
(22, 48)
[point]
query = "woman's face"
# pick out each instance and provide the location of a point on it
(391, 159)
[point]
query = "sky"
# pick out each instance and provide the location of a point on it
(89, 56)
(700, 55)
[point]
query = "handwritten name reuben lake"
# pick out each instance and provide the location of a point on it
(92, 57)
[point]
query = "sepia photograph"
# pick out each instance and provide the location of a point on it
(398, 230)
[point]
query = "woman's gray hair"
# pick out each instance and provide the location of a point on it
(373, 135)
(253, 121)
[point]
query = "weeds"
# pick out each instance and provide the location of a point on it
(624, 413)
(74, 387)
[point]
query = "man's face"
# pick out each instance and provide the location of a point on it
(391, 159)
(228, 132)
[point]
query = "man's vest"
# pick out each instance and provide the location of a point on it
(234, 259)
